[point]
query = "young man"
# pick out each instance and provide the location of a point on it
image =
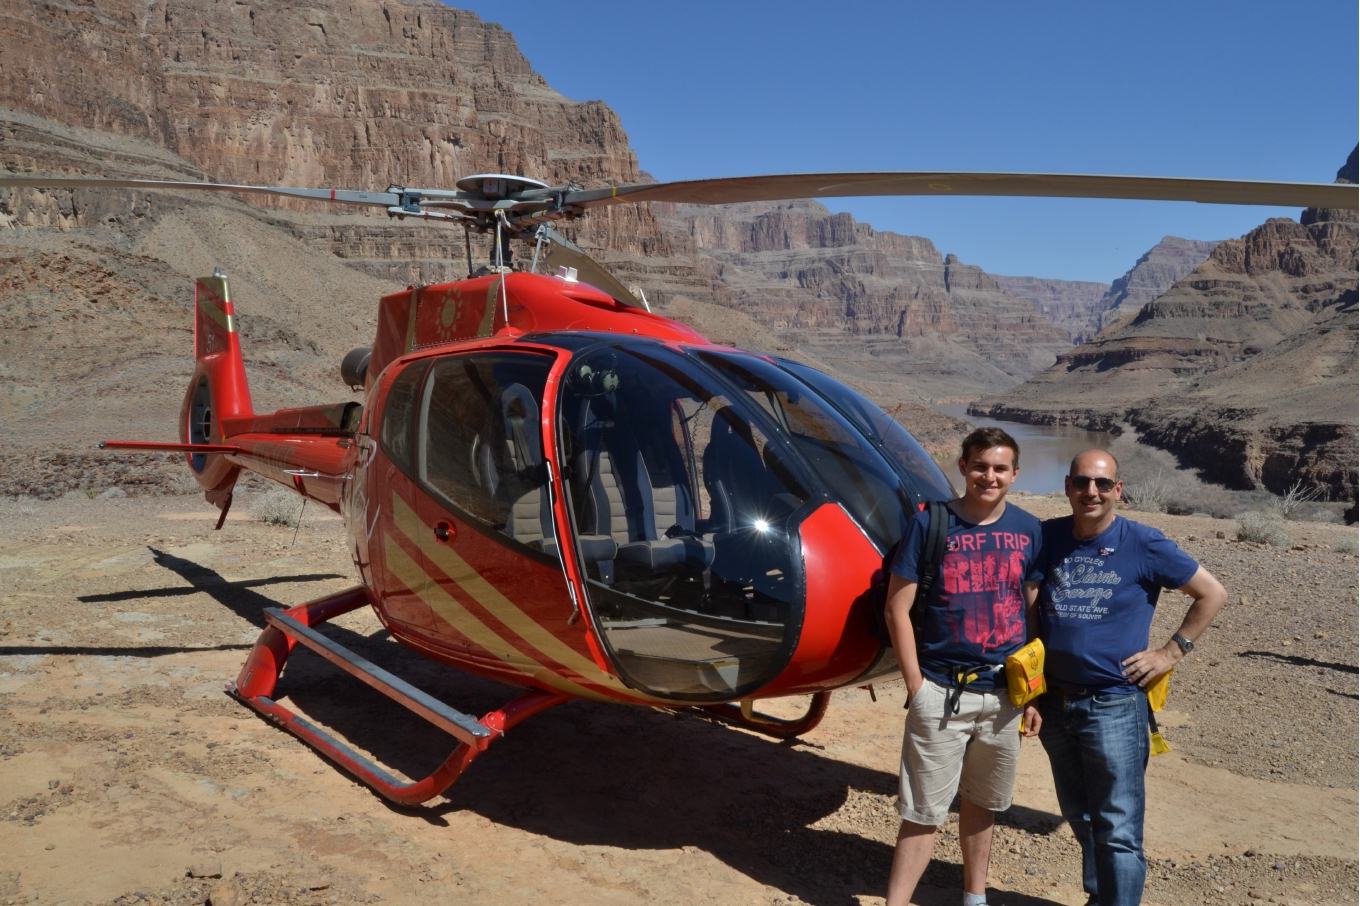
(962, 732)
(1102, 576)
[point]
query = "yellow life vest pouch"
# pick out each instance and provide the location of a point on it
(1156, 694)
(1025, 674)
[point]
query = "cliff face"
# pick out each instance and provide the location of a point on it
(1072, 306)
(1245, 368)
(355, 93)
(1153, 274)
(866, 299)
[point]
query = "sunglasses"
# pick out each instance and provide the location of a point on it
(1103, 485)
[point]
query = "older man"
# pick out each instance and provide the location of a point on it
(1102, 577)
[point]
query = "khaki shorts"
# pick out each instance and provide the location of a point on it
(973, 753)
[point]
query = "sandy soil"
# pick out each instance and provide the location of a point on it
(127, 776)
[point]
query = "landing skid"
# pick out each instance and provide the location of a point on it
(746, 717)
(260, 674)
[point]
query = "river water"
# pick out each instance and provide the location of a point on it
(1045, 450)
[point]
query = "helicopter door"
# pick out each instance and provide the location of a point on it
(488, 537)
(389, 490)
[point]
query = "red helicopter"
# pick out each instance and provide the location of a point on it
(550, 485)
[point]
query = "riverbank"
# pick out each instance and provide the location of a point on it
(1154, 479)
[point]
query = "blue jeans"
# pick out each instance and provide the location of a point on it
(1097, 746)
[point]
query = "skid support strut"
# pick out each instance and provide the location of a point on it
(286, 628)
(745, 716)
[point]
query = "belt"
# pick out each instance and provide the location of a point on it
(964, 676)
(1078, 691)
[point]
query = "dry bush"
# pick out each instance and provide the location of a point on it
(1149, 491)
(277, 507)
(1296, 497)
(1263, 528)
(1346, 546)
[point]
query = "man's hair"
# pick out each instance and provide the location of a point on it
(1072, 468)
(985, 439)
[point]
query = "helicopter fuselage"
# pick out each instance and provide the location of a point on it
(550, 488)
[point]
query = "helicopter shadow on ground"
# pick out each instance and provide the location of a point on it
(239, 597)
(1312, 664)
(606, 775)
(235, 596)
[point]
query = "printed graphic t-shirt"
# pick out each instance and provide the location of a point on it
(1097, 599)
(975, 614)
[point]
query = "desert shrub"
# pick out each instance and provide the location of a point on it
(1298, 497)
(277, 507)
(1346, 546)
(1148, 491)
(1263, 528)
(1162, 490)
(1333, 513)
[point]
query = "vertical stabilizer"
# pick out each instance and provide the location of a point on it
(218, 394)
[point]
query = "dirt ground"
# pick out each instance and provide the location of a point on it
(127, 776)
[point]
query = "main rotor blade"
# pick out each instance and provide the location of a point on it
(344, 196)
(1057, 185)
(562, 252)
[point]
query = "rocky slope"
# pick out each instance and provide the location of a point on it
(1084, 308)
(346, 92)
(1245, 368)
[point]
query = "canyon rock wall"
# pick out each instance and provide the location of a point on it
(1245, 368)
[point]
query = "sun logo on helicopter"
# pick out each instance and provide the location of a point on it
(450, 316)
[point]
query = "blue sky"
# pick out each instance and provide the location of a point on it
(1242, 90)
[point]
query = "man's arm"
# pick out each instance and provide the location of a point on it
(1209, 597)
(901, 597)
(1031, 591)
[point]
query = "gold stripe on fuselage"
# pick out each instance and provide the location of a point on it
(485, 594)
(400, 564)
(481, 591)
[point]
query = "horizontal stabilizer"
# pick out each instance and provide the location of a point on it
(168, 447)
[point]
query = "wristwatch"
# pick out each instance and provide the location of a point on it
(1186, 646)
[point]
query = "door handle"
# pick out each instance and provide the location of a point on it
(443, 531)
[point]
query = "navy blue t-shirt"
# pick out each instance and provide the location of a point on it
(1097, 599)
(975, 614)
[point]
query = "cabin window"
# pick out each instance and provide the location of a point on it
(398, 420)
(480, 446)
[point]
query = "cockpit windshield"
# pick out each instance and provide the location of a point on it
(689, 473)
(686, 504)
(917, 469)
(854, 472)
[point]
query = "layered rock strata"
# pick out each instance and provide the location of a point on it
(869, 299)
(1245, 368)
